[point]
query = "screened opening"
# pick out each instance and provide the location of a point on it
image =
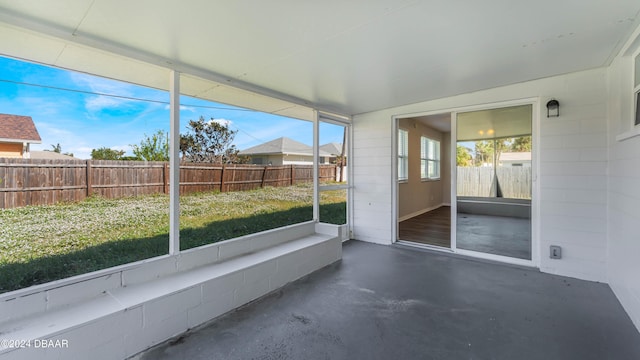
(97, 189)
(92, 192)
(333, 173)
(242, 171)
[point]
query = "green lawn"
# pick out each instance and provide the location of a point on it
(39, 244)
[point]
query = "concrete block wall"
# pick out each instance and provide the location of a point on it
(125, 320)
(572, 173)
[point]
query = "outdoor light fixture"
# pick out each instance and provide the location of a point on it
(553, 108)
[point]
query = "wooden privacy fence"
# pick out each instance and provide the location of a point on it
(515, 182)
(45, 182)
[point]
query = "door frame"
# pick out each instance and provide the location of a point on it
(535, 188)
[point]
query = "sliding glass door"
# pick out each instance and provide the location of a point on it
(494, 181)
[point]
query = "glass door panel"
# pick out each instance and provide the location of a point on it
(494, 181)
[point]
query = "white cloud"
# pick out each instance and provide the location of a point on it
(43, 107)
(49, 130)
(223, 122)
(102, 85)
(99, 103)
(182, 108)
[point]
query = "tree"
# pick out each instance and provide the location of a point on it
(209, 141)
(105, 153)
(484, 152)
(58, 149)
(463, 156)
(153, 148)
(521, 144)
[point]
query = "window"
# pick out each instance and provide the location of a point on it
(636, 89)
(403, 155)
(429, 159)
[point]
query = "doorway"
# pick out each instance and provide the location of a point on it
(424, 180)
(494, 181)
(481, 202)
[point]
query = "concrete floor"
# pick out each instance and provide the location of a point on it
(499, 235)
(392, 302)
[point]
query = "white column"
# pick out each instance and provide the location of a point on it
(316, 166)
(174, 164)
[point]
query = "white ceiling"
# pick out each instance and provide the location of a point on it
(513, 121)
(348, 57)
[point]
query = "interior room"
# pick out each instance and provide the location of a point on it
(424, 187)
(486, 182)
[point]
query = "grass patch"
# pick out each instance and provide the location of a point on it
(39, 244)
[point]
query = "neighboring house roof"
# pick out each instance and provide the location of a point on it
(332, 148)
(18, 128)
(281, 146)
(515, 156)
(50, 155)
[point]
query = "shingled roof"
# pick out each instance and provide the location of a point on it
(18, 128)
(282, 145)
(332, 148)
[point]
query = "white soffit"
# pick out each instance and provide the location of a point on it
(346, 57)
(36, 47)
(497, 123)
(214, 91)
(49, 50)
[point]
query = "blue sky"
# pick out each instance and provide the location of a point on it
(80, 122)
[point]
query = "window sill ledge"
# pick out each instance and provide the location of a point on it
(629, 134)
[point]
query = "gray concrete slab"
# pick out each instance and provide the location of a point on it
(391, 302)
(499, 235)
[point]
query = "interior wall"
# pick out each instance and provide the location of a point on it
(623, 191)
(416, 196)
(572, 168)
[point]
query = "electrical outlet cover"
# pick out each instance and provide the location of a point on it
(555, 252)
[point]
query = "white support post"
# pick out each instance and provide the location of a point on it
(174, 164)
(316, 166)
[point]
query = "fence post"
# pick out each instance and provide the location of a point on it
(264, 175)
(165, 179)
(222, 178)
(292, 174)
(26, 184)
(89, 180)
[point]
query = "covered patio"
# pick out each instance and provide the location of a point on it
(315, 290)
(393, 302)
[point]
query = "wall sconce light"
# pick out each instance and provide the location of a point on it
(553, 108)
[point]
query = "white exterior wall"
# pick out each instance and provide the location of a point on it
(624, 192)
(572, 173)
(372, 177)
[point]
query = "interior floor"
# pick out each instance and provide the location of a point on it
(498, 235)
(395, 302)
(431, 228)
